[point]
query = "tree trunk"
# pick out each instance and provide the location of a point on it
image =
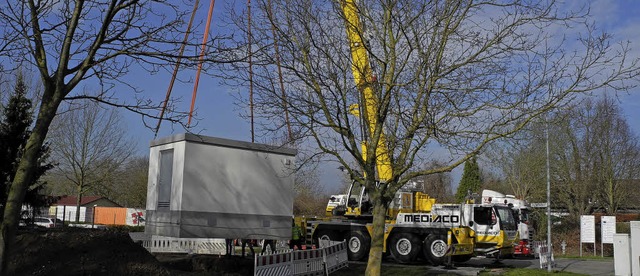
(377, 239)
(78, 200)
(24, 173)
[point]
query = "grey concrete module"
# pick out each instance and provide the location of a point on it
(207, 187)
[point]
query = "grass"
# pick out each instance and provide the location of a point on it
(586, 257)
(358, 269)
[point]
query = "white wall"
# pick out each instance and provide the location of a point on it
(136, 217)
(68, 212)
(237, 181)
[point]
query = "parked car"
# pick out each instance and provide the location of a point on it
(47, 222)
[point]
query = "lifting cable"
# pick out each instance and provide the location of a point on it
(277, 52)
(250, 54)
(175, 69)
(204, 45)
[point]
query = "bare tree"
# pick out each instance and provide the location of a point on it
(457, 74)
(594, 154)
(127, 185)
(618, 156)
(572, 157)
(310, 198)
(90, 143)
(438, 185)
(69, 42)
(521, 162)
(130, 183)
(492, 180)
(594, 157)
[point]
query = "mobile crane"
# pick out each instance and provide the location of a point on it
(487, 228)
(415, 223)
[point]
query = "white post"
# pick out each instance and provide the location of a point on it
(621, 254)
(635, 247)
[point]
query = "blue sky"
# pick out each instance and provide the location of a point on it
(219, 116)
(622, 19)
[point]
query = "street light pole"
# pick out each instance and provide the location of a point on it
(549, 251)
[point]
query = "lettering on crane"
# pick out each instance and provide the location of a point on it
(431, 218)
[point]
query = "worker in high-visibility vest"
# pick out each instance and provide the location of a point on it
(296, 236)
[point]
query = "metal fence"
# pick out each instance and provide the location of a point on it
(321, 261)
(542, 251)
(89, 215)
(159, 244)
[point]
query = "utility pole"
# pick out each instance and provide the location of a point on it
(549, 252)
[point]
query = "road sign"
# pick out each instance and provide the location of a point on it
(588, 232)
(539, 205)
(588, 229)
(608, 226)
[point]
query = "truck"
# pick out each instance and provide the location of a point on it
(522, 210)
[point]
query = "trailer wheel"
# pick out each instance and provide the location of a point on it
(435, 249)
(325, 236)
(358, 245)
(404, 247)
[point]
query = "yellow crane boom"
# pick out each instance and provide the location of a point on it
(363, 76)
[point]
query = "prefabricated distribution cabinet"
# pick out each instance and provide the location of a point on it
(206, 187)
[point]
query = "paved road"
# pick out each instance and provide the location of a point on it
(476, 265)
(588, 267)
(582, 266)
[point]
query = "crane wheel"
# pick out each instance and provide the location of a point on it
(435, 249)
(358, 245)
(404, 247)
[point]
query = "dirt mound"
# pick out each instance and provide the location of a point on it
(183, 264)
(72, 251)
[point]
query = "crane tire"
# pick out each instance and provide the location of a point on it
(404, 247)
(435, 249)
(358, 245)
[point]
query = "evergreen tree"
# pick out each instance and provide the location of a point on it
(16, 117)
(471, 180)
